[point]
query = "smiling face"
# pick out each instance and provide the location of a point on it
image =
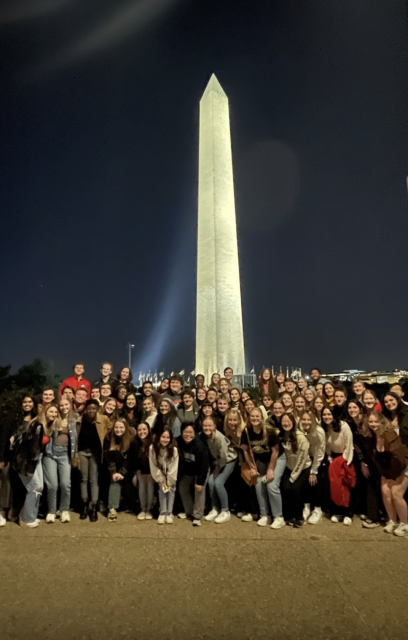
(79, 370)
(318, 403)
(208, 410)
(245, 396)
(142, 431)
(267, 402)
(27, 404)
(235, 395)
(119, 428)
(175, 386)
(280, 378)
(309, 395)
(188, 434)
(300, 403)
(95, 393)
(64, 406)
(165, 439)
(80, 396)
(339, 398)
(211, 396)
(91, 411)
(390, 403)
(106, 390)
(286, 401)
(255, 418)
(164, 407)
(122, 391)
(249, 405)
(368, 400)
(130, 401)
(327, 416)
(188, 401)
(358, 388)
(208, 426)
(302, 383)
(201, 394)
(224, 386)
(290, 386)
(397, 389)
(267, 375)
(147, 405)
(328, 390)
(110, 406)
(215, 378)
(222, 405)
(286, 423)
(278, 409)
(147, 389)
(47, 396)
(374, 421)
(233, 422)
(306, 422)
(51, 414)
(124, 374)
(319, 389)
(106, 370)
(353, 410)
(165, 384)
(68, 393)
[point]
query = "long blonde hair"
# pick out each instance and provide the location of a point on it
(42, 419)
(263, 425)
(241, 424)
(383, 425)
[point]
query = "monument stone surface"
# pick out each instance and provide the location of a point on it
(219, 330)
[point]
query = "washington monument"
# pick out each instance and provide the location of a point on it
(219, 332)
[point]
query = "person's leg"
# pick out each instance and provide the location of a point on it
(398, 488)
(219, 485)
(372, 507)
(142, 488)
(299, 491)
(34, 486)
(64, 473)
(50, 466)
(262, 496)
(186, 486)
(215, 503)
(93, 478)
(150, 492)
(170, 500)
(199, 503)
(286, 489)
(84, 470)
(162, 502)
(387, 498)
(273, 488)
(114, 494)
(5, 488)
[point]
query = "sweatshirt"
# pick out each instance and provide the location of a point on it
(220, 448)
(340, 442)
(163, 470)
(317, 448)
(194, 459)
(300, 460)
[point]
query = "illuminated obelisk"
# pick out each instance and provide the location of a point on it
(219, 332)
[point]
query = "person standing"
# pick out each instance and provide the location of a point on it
(141, 469)
(163, 460)
(194, 467)
(117, 444)
(77, 381)
(106, 375)
(312, 512)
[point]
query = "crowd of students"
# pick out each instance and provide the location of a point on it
(287, 454)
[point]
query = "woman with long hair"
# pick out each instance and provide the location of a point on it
(328, 394)
(12, 493)
(309, 395)
(167, 418)
(299, 406)
(117, 444)
(223, 406)
(277, 412)
(124, 377)
(130, 410)
(287, 401)
(215, 381)
(28, 448)
(267, 384)
(312, 512)
(224, 386)
(367, 492)
(194, 467)
(280, 381)
(317, 407)
(201, 395)
(339, 444)
(58, 455)
(206, 410)
(141, 468)
(164, 460)
(267, 404)
(295, 480)
(266, 460)
(120, 394)
(149, 413)
(397, 413)
(224, 458)
(110, 411)
(302, 385)
(241, 496)
(390, 456)
(163, 386)
(370, 401)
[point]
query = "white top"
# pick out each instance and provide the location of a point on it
(317, 448)
(299, 460)
(166, 473)
(341, 442)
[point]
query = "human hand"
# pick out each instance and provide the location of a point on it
(253, 472)
(198, 487)
(2, 465)
(365, 470)
(269, 475)
(313, 479)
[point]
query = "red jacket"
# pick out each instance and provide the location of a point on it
(73, 382)
(342, 478)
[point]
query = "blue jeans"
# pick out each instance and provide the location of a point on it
(34, 484)
(145, 485)
(57, 467)
(216, 486)
(268, 493)
(166, 501)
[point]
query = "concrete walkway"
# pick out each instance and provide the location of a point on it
(133, 579)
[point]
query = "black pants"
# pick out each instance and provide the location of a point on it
(294, 494)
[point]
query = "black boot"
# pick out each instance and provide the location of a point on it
(93, 514)
(84, 511)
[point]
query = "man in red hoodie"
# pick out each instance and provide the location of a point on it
(77, 381)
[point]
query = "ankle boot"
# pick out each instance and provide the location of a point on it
(93, 515)
(84, 511)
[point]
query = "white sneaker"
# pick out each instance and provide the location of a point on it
(161, 519)
(196, 523)
(2, 518)
(315, 516)
(182, 516)
(224, 516)
(240, 514)
(390, 526)
(65, 516)
(247, 518)
(278, 523)
(148, 516)
(347, 521)
(306, 511)
(30, 525)
(50, 518)
(335, 519)
(211, 516)
(142, 515)
(401, 530)
(169, 519)
(263, 521)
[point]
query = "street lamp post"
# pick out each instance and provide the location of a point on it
(130, 346)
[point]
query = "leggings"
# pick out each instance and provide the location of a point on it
(89, 468)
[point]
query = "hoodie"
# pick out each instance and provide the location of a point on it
(194, 459)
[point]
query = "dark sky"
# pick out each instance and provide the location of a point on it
(98, 157)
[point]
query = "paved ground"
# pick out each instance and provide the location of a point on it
(134, 579)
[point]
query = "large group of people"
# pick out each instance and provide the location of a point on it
(288, 452)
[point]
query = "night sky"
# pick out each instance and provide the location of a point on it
(98, 157)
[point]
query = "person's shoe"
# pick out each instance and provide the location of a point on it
(390, 526)
(2, 518)
(101, 507)
(263, 521)
(247, 518)
(84, 511)
(161, 519)
(306, 511)
(182, 516)
(335, 519)
(93, 516)
(196, 523)
(291, 522)
(148, 516)
(210, 517)
(240, 514)
(50, 518)
(30, 525)
(278, 523)
(362, 516)
(169, 519)
(112, 515)
(315, 516)
(401, 530)
(298, 524)
(142, 515)
(347, 521)
(65, 516)
(369, 524)
(224, 516)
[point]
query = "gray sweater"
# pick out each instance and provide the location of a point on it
(221, 449)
